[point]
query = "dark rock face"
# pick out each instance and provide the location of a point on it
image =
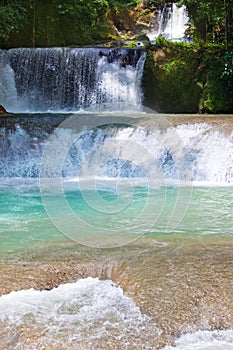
(125, 56)
(3, 110)
(170, 81)
(188, 79)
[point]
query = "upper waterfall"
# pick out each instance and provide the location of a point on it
(71, 79)
(171, 23)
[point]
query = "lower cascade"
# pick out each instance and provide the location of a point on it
(71, 79)
(195, 152)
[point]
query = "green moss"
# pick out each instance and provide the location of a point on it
(170, 79)
(188, 78)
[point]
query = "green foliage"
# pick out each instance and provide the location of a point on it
(211, 21)
(217, 93)
(190, 78)
(57, 22)
(83, 19)
(13, 14)
(123, 2)
(161, 41)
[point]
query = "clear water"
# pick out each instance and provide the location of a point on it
(23, 217)
(107, 182)
(109, 217)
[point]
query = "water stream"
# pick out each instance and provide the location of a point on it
(171, 23)
(155, 190)
(70, 80)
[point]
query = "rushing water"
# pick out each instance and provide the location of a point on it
(65, 79)
(155, 190)
(205, 340)
(172, 21)
(101, 305)
(113, 176)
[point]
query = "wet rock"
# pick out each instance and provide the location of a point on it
(3, 110)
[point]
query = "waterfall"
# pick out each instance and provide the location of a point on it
(171, 23)
(195, 152)
(8, 92)
(176, 24)
(71, 79)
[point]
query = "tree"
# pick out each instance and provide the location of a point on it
(14, 15)
(212, 21)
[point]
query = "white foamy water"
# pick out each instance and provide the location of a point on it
(74, 313)
(8, 92)
(64, 79)
(204, 340)
(194, 153)
(172, 21)
(211, 152)
(177, 23)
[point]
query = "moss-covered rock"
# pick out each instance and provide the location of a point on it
(170, 80)
(183, 78)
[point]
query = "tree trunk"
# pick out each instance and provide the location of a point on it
(34, 25)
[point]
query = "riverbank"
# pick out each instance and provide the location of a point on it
(182, 287)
